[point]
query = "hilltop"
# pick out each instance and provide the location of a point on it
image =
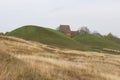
(28, 60)
(45, 35)
(84, 41)
(98, 43)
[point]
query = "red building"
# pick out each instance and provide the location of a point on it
(67, 31)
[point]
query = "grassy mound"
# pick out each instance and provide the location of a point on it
(86, 42)
(45, 35)
(113, 38)
(97, 43)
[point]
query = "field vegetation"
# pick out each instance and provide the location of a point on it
(84, 42)
(28, 60)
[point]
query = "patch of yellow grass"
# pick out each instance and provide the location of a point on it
(61, 64)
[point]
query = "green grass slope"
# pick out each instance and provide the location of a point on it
(86, 42)
(114, 39)
(97, 43)
(46, 36)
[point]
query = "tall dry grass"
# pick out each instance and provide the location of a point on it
(42, 62)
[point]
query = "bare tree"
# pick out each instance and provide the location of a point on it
(97, 34)
(110, 34)
(1, 33)
(84, 30)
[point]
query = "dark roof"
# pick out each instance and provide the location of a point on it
(64, 28)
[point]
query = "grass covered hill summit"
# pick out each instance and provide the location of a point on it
(86, 42)
(45, 35)
(98, 43)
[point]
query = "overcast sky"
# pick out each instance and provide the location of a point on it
(99, 15)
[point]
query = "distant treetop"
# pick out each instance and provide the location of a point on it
(84, 30)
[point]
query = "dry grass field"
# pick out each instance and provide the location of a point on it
(27, 60)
